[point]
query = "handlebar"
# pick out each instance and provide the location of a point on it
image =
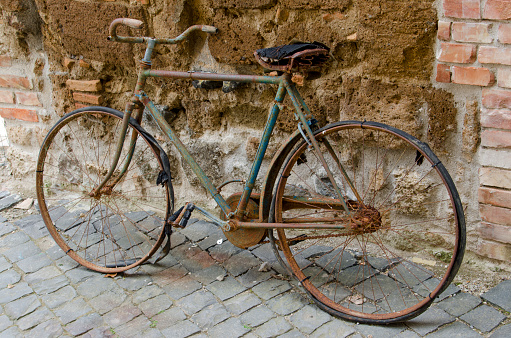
(137, 24)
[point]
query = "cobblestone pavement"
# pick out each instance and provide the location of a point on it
(202, 289)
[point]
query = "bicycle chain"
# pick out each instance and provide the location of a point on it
(312, 237)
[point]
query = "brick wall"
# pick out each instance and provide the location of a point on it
(18, 99)
(474, 41)
(25, 99)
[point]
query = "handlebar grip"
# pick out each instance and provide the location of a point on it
(209, 29)
(132, 23)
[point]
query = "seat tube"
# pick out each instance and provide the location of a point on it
(302, 110)
(261, 150)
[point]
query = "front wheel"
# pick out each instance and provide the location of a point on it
(121, 226)
(401, 240)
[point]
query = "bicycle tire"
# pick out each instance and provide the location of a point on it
(392, 267)
(122, 226)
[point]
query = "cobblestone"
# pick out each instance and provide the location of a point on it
(500, 295)
(257, 316)
(483, 318)
(203, 289)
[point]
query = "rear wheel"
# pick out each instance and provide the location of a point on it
(121, 226)
(400, 244)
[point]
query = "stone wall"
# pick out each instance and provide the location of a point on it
(383, 68)
(475, 51)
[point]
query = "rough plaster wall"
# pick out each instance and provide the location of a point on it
(381, 69)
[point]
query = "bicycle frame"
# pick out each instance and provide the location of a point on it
(285, 86)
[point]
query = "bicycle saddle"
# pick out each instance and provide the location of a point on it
(298, 56)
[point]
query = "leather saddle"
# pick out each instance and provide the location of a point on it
(302, 56)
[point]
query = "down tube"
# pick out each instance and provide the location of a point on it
(201, 175)
(261, 150)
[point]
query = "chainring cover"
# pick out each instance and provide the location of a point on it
(244, 238)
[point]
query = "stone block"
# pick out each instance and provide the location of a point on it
(500, 295)
(484, 318)
(89, 40)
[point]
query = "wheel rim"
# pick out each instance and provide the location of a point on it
(377, 273)
(120, 227)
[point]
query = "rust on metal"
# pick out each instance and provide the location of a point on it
(240, 237)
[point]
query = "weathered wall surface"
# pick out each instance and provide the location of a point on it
(382, 69)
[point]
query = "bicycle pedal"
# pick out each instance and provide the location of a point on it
(187, 214)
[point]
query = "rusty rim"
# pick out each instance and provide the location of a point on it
(118, 228)
(380, 271)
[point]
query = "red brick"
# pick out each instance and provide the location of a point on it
(496, 197)
(471, 32)
(456, 52)
(84, 86)
(497, 10)
(504, 78)
(494, 98)
(496, 215)
(87, 98)
(500, 118)
(19, 114)
(444, 30)
(496, 232)
(28, 99)
(494, 250)
(475, 76)
(13, 81)
(443, 73)
(497, 158)
(494, 177)
(504, 33)
(496, 139)
(6, 96)
(5, 61)
(497, 55)
(69, 63)
(466, 9)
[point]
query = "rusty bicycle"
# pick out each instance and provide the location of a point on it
(364, 215)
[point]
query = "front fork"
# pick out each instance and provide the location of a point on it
(103, 187)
